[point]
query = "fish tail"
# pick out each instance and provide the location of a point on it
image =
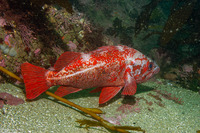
(34, 79)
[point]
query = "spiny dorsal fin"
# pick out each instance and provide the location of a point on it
(65, 59)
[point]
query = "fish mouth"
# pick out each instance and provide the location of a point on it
(156, 70)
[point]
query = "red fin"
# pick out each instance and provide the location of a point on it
(107, 93)
(65, 59)
(63, 90)
(130, 85)
(96, 90)
(34, 79)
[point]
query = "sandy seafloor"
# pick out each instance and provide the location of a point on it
(45, 115)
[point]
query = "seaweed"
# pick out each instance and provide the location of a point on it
(169, 96)
(175, 22)
(142, 21)
(122, 129)
(123, 32)
(155, 96)
(88, 123)
(100, 121)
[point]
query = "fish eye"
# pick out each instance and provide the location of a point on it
(150, 66)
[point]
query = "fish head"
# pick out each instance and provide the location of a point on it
(148, 69)
(143, 68)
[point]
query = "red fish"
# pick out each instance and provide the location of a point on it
(109, 69)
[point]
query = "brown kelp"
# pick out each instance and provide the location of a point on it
(91, 112)
(175, 22)
(143, 19)
(10, 74)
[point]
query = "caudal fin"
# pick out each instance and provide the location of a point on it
(34, 79)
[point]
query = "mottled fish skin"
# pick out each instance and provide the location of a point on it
(105, 66)
(109, 68)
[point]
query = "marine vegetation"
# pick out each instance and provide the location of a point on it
(178, 39)
(175, 22)
(142, 21)
(121, 31)
(179, 32)
(91, 112)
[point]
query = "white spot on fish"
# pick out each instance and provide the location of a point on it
(120, 48)
(135, 56)
(137, 72)
(143, 62)
(129, 78)
(85, 57)
(138, 62)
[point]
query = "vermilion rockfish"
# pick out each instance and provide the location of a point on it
(109, 69)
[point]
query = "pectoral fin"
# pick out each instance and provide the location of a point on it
(130, 85)
(63, 90)
(107, 93)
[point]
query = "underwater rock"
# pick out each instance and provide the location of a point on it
(187, 68)
(12, 52)
(7, 50)
(170, 76)
(6, 98)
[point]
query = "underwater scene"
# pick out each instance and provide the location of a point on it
(99, 66)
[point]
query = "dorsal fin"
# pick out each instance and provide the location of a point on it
(65, 59)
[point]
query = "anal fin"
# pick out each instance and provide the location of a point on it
(63, 90)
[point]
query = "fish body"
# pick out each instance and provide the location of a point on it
(109, 69)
